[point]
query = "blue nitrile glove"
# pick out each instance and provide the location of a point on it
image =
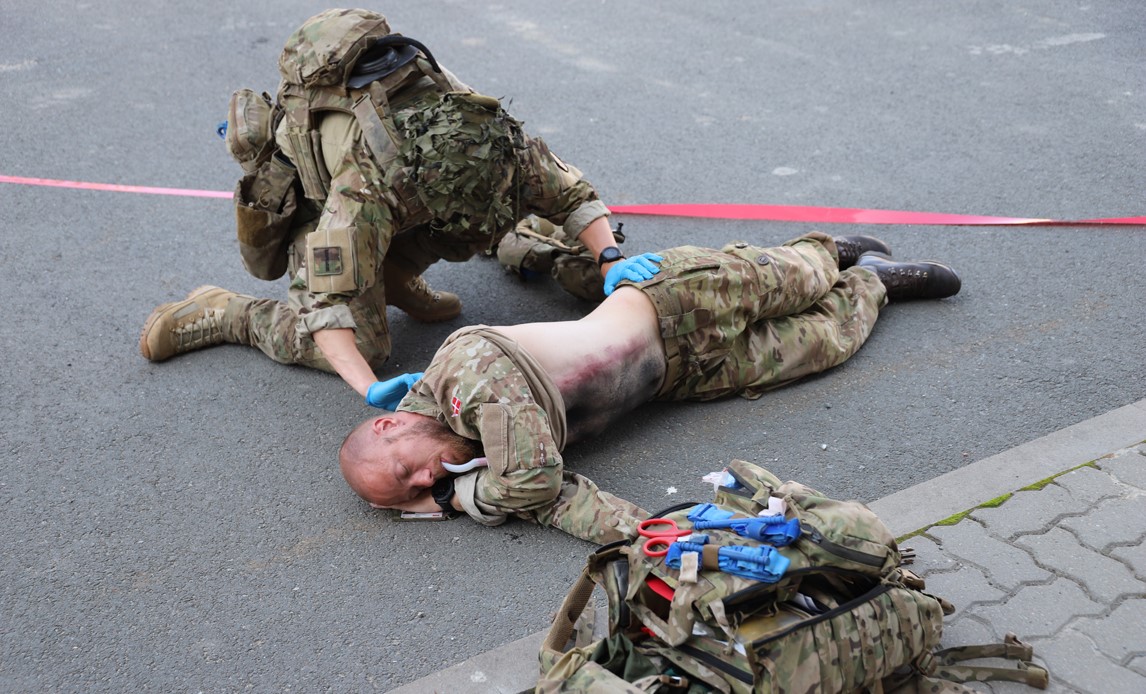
(221, 130)
(387, 394)
(636, 269)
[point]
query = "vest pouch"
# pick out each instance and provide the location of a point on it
(265, 205)
(250, 136)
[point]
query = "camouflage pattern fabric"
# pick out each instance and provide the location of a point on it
(537, 248)
(371, 203)
(323, 50)
(441, 144)
(505, 400)
(274, 328)
(744, 319)
(483, 387)
(871, 628)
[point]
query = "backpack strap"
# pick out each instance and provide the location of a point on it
(946, 664)
(576, 600)
(572, 607)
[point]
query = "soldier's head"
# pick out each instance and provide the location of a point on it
(392, 459)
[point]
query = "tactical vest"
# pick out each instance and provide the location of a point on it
(321, 71)
(339, 60)
(450, 156)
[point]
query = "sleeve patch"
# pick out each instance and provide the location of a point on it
(327, 261)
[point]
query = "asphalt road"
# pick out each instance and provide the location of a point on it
(183, 526)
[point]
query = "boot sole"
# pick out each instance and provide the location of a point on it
(423, 318)
(158, 311)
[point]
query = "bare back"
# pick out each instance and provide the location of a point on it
(605, 364)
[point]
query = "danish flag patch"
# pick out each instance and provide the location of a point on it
(456, 406)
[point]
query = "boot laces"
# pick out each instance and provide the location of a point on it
(204, 331)
(421, 289)
(903, 278)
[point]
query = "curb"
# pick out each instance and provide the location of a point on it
(972, 485)
(513, 668)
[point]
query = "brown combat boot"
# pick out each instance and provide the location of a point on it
(419, 301)
(184, 326)
(850, 248)
(906, 281)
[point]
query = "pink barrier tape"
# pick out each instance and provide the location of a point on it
(772, 213)
(116, 188)
(846, 215)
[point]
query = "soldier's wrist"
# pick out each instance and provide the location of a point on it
(443, 494)
(608, 256)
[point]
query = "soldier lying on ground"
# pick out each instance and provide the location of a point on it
(372, 164)
(708, 325)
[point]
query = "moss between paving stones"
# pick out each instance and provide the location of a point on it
(992, 503)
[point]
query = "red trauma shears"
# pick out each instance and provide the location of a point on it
(660, 531)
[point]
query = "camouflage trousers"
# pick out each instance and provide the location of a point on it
(741, 320)
(745, 319)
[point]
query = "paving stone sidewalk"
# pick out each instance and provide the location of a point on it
(1061, 564)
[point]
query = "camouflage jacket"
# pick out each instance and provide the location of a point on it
(484, 387)
(366, 213)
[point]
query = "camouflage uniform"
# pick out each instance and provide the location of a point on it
(392, 216)
(740, 320)
(746, 319)
(484, 387)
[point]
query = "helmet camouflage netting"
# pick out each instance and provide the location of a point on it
(462, 156)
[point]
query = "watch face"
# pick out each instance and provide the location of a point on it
(609, 255)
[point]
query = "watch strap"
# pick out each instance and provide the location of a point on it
(610, 255)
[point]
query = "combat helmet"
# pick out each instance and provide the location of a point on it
(347, 60)
(323, 51)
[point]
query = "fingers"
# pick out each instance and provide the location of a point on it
(646, 264)
(388, 394)
(635, 269)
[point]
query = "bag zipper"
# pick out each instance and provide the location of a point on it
(714, 662)
(674, 508)
(815, 536)
(751, 593)
(830, 614)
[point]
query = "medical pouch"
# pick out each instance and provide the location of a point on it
(266, 201)
(250, 136)
(836, 614)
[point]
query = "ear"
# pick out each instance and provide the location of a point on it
(385, 423)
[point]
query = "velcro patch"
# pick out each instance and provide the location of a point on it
(327, 261)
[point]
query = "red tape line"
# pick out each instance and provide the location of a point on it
(850, 215)
(115, 188)
(773, 213)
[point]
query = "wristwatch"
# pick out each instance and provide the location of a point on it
(609, 255)
(443, 492)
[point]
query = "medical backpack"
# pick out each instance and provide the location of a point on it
(835, 610)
